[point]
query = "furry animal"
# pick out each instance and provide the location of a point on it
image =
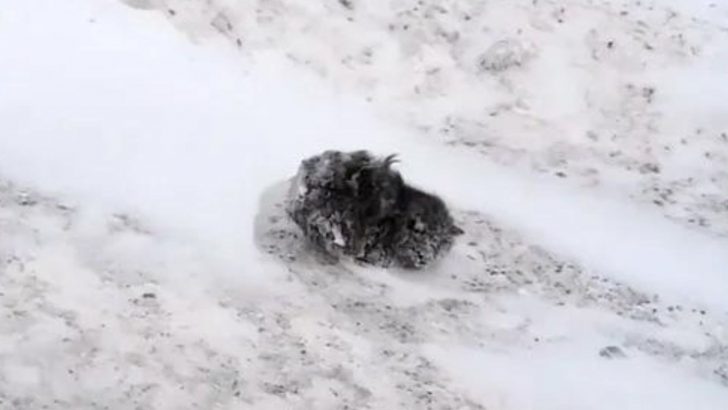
(355, 204)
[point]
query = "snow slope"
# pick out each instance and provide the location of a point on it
(142, 161)
(589, 92)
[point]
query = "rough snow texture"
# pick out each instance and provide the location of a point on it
(589, 91)
(87, 328)
(354, 204)
(129, 277)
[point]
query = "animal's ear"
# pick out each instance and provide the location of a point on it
(455, 230)
(390, 160)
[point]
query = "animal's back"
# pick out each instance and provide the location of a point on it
(354, 204)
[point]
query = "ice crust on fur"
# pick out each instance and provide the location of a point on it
(355, 204)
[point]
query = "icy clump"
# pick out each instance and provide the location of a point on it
(354, 204)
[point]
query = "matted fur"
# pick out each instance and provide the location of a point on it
(355, 204)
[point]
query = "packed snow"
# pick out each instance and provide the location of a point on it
(146, 260)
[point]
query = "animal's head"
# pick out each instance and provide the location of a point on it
(427, 229)
(377, 183)
(428, 213)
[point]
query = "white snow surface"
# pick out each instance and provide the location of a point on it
(582, 145)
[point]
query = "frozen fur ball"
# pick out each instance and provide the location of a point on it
(355, 204)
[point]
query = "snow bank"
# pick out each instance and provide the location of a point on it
(145, 120)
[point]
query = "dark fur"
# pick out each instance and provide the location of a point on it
(355, 204)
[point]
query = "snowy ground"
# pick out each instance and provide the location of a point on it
(145, 262)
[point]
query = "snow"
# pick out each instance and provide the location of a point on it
(545, 372)
(142, 155)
